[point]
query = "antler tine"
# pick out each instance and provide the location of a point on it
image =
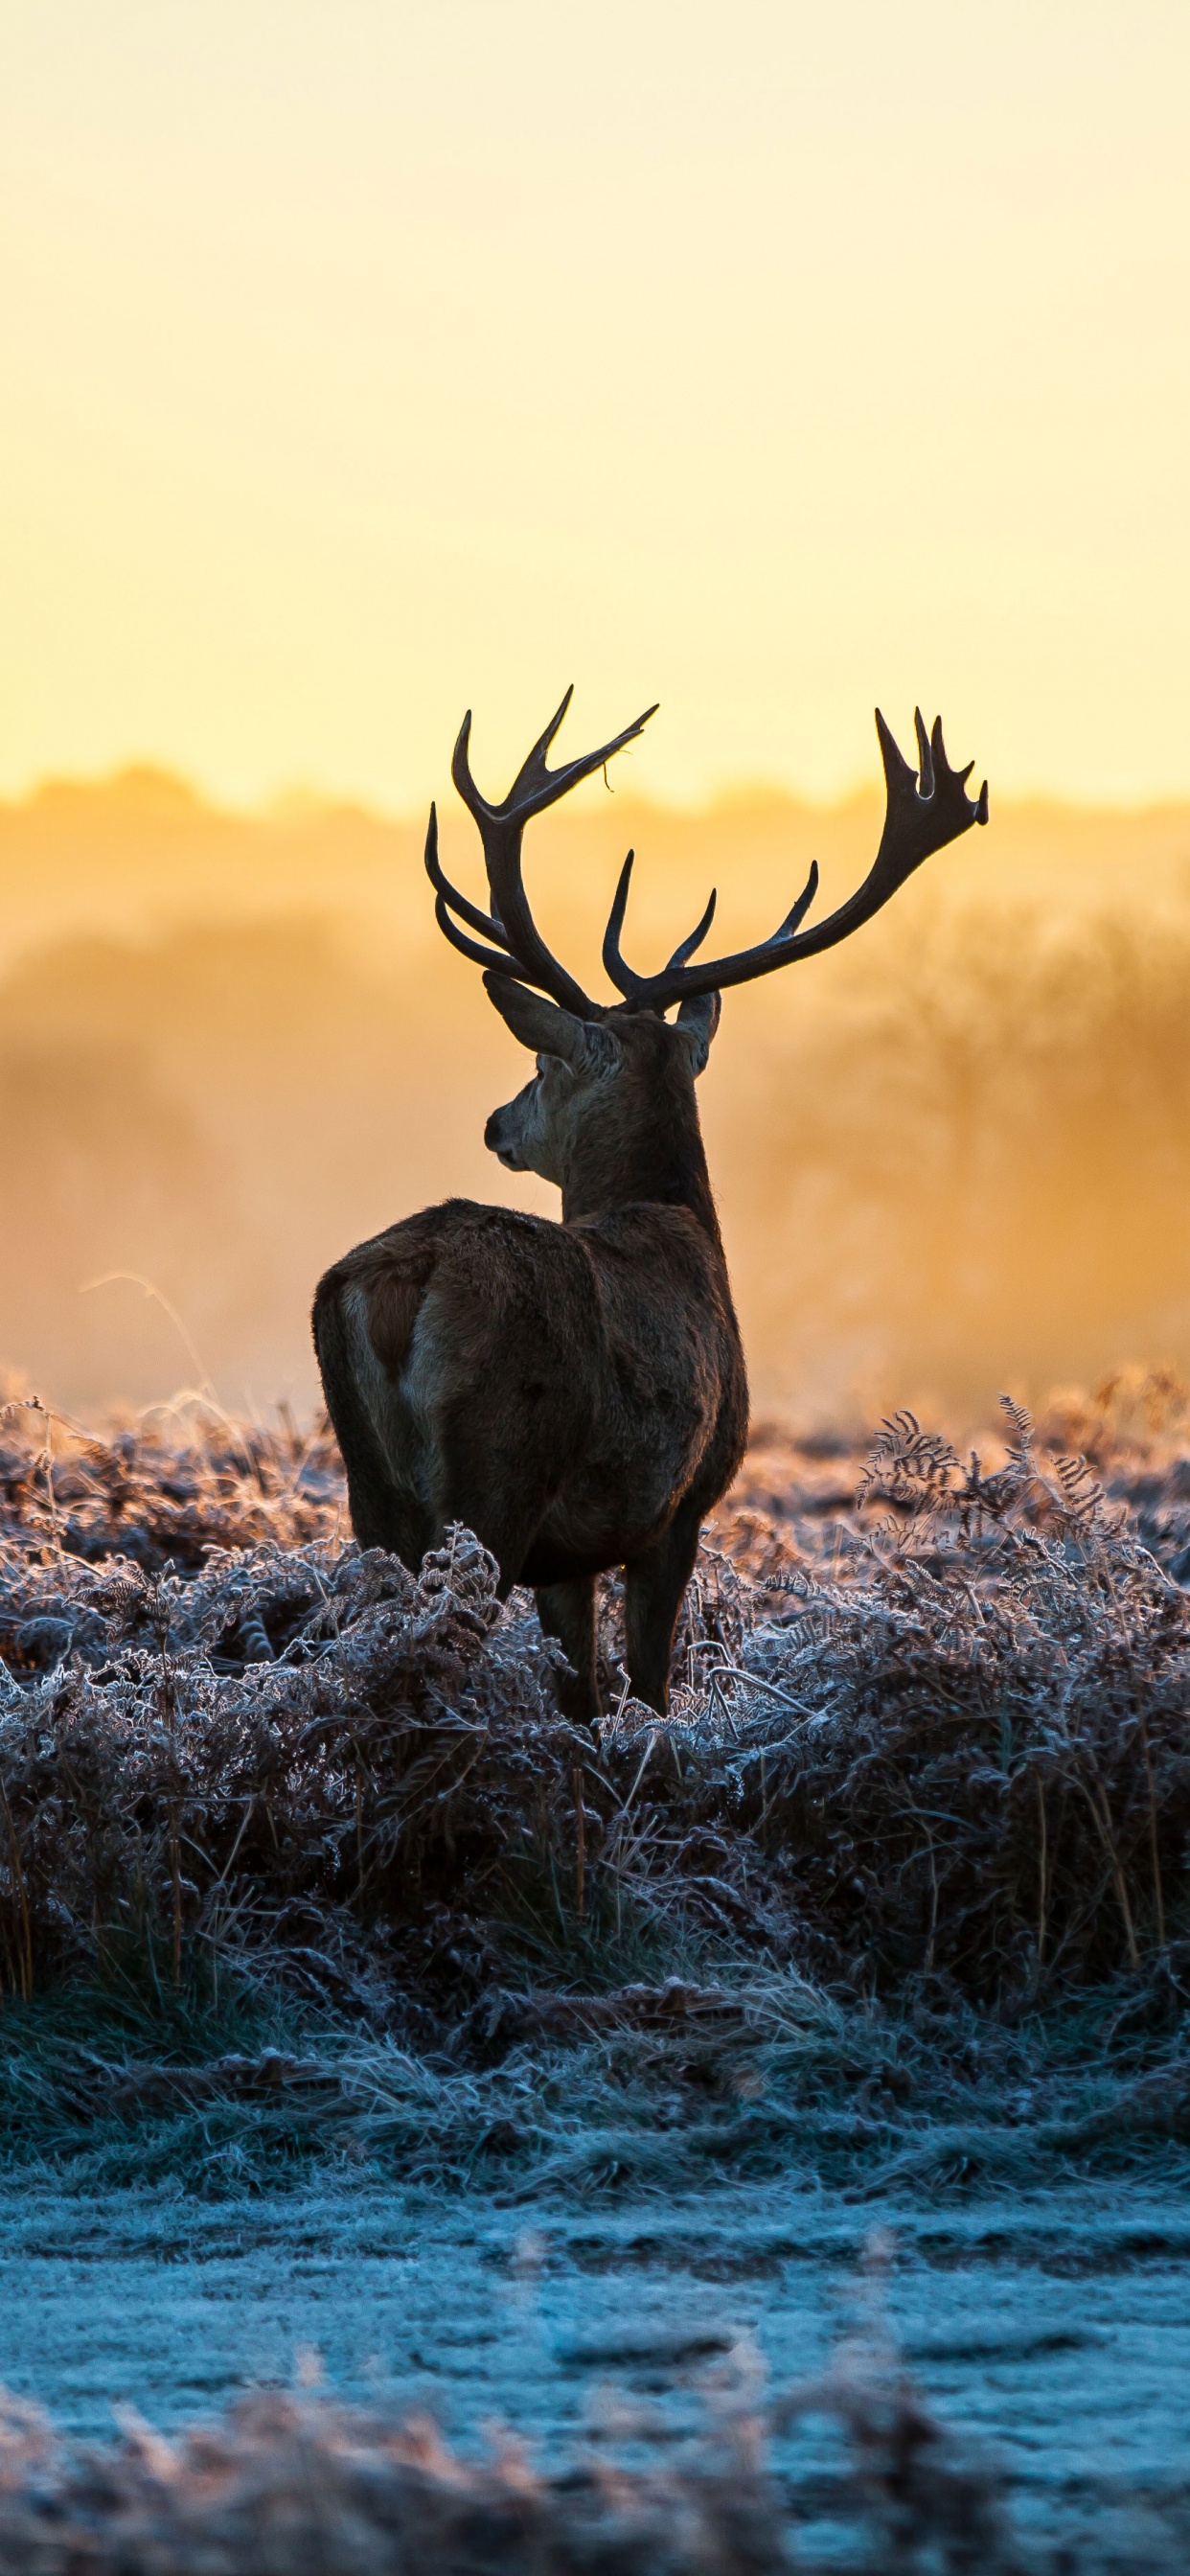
(919, 818)
(467, 911)
(797, 911)
(498, 960)
(694, 938)
(501, 828)
(616, 966)
(535, 787)
(542, 744)
(939, 761)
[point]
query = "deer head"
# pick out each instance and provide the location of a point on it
(615, 1080)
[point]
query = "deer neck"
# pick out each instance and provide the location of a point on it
(657, 1160)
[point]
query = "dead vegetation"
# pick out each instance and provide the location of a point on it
(298, 1857)
(850, 2470)
(290, 2481)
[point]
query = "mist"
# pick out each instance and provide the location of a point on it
(951, 1157)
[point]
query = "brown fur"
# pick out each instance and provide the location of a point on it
(575, 1392)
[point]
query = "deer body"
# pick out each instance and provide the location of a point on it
(575, 1392)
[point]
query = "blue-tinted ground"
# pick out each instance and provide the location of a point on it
(1053, 2330)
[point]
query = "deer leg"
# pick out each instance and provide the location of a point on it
(567, 1612)
(383, 1514)
(502, 1509)
(653, 1586)
(388, 1519)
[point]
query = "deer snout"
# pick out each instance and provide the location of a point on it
(501, 1139)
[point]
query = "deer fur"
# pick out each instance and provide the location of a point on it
(575, 1392)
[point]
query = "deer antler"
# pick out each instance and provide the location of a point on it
(922, 815)
(519, 949)
(924, 810)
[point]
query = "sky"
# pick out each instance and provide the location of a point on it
(364, 360)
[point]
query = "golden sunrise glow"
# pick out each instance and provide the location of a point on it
(367, 362)
(363, 363)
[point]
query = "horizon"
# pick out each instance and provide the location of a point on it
(295, 800)
(952, 1157)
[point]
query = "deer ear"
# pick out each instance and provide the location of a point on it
(539, 1024)
(698, 1020)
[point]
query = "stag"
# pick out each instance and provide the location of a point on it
(576, 1392)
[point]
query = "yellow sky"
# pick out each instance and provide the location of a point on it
(366, 359)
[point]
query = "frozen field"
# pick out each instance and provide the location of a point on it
(363, 2023)
(1053, 2330)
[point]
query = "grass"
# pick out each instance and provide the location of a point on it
(292, 1881)
(300, 1864)
(847, 2471)
(289, 2482)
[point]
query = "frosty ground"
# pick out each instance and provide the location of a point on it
(360, 2005)
(1050, 2333)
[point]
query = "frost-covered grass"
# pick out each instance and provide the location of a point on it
(696, 2460)
(286, 2483)
(299, 1860)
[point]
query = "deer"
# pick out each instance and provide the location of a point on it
(574, 1390)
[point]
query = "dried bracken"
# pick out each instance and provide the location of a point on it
(926, 1758)
(985, 1768)
(290, 2482)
